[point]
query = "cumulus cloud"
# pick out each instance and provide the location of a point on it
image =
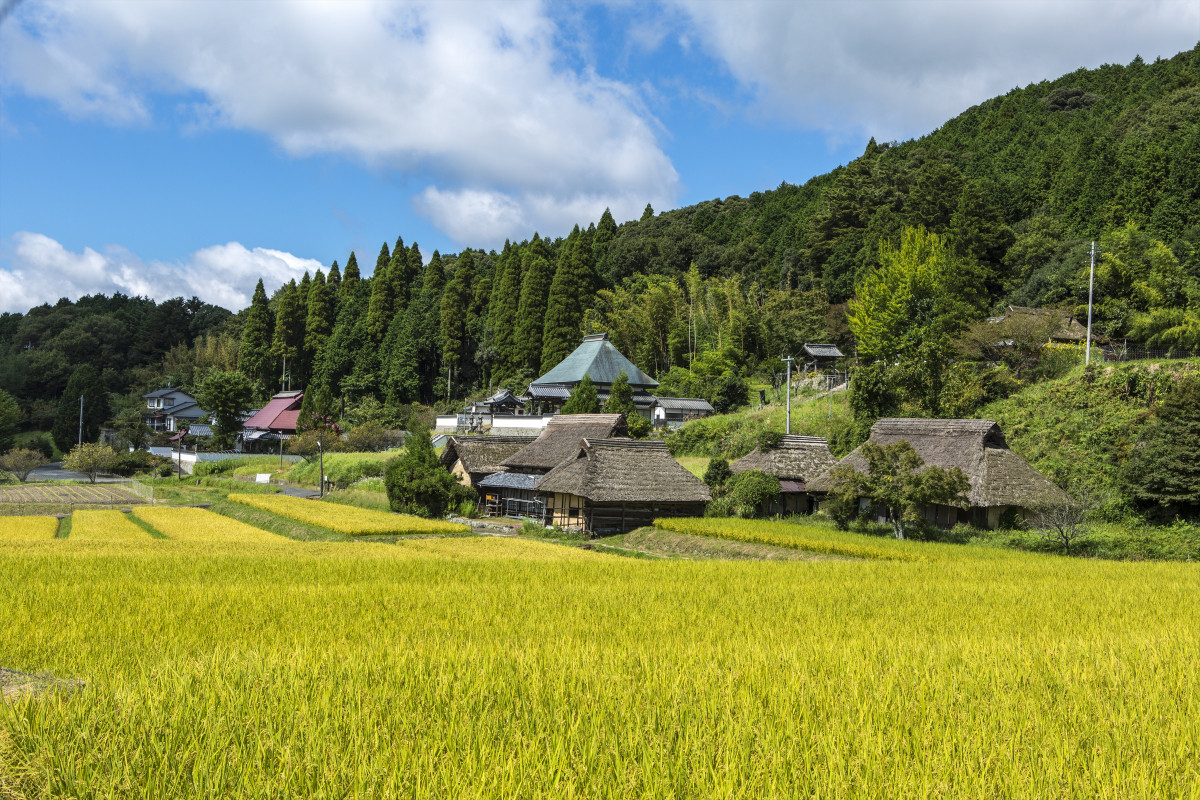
(470, 94)
(900, 69)
(40, 270)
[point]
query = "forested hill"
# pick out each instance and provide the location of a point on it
(716, 292)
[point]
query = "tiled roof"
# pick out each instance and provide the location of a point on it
(509, 480)
(272, 415)
(822, 351)
(684, 404)
(597, 358)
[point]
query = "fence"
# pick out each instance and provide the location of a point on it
(142, 490)
(1127, 351)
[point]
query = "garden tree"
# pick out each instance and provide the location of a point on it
(748, 491)
(717, 473)
(10, 415)
(455, 306)
(915, 295)
(90, 458)
(620, 401)
(382, 305)
(288, 339)
(85, 382)
(1163, 472)
(255, 360)
(895, 480)
(132, 430)
(583, 399)
(417, 483)
(1063, 524)
(22, 461)
(227, 396)
(531, 310)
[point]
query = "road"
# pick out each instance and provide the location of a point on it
(55, 472)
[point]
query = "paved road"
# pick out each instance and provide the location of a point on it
(55, 472)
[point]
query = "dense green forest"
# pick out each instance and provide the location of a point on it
(1005, 199)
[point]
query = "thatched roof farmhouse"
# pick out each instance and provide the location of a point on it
(616, 485)
(560, 438)
(1000, 480)
(794, 461)
(474, 457)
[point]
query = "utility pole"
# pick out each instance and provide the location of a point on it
(789, 361)
(1087, 359)
(80, 420)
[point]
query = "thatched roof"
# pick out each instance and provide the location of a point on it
(625, 470)
(560, 440)
(1069, 329)
(998, 476)
(797, 458)
(481, 454)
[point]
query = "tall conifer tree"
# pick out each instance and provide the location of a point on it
(531, 312)
(288, 338)
(255, 360)
(381, 306)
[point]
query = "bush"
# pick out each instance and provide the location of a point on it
(417, 483)
(717, 473)
(749, 490)
(127, 464)
(221, 467)
(21, 461)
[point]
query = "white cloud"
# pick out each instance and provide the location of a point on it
(40, 270)
(900, 69)
(471, 94)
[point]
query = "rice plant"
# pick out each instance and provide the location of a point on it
(105, 526)
(799, 537)
(198, 525)
(347, 519)
(483, 667)
(28, 528)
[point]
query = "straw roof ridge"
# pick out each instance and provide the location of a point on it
(997, 475)
(560, 440)
(796, 458)
(481, 453)
(625, 471)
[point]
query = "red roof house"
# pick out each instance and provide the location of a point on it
(278, 417)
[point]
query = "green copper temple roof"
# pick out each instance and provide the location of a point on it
(598, 359)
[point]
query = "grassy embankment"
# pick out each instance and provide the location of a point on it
(482, 667)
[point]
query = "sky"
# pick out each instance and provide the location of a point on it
(189, 148)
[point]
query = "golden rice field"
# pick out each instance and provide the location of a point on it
(27, 528)
(346, 519)
(801, 537)
(105, 526)
(99, 493)
(502, 668)
(198, 525)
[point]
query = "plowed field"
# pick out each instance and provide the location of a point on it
(99, 493)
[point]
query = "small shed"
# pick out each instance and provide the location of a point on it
(674, 411)
(616, 485)
(821, 356)
(794, 461)
(511, 494)
(1000, 480)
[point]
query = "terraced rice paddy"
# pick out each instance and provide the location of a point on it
(347, 519)
(198, 525)
(501, 668)
(105, 526)
(28, 528)
(64, 493)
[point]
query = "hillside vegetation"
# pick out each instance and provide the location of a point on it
(705, 296)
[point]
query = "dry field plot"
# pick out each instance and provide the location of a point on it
(66, 493)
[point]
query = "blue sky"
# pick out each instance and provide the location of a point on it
(191, 147)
